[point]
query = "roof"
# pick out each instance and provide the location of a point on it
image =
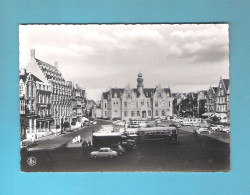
(105, 95)
(40, 62)
(215, 89)
(226, 83)
(148, 92)
(117, 91)
(24, 77)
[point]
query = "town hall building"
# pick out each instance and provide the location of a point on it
(137, 103)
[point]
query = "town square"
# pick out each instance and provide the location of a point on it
(155, 115)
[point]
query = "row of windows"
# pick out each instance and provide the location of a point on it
(135, 113)
(222, 108)
(137, 104)
(221, 99)
(43, 99)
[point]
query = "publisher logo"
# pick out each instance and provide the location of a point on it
(31, 161)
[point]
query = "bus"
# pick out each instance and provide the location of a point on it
(105, 139)
(158, 134)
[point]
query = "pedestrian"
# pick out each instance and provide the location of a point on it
(33, 138)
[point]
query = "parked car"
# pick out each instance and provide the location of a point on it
(107, 128)
(158, 120)
(120, 123)
(94, 122)
(175, 124)
(103, 153)
(225, 130)
(85, 123)
(219, 128)
(118, 148)
(202, 131)
(129, 146)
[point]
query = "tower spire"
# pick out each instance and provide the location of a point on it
(140, 82)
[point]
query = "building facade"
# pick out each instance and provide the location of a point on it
(222, 97)
(77, 102)
(211, 100)
(35, 105)
(137, 103)
(201, 103)
(61, 107)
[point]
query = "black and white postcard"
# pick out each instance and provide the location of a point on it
(124, 98)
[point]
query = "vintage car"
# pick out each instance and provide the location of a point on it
(103, 153)
(202, 131)
(225, 130)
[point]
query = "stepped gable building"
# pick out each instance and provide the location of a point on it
(78, 102)
(222, 97)
(211, 99)
(61, 107)
(201, 103)
(137, 103)
(35, 104)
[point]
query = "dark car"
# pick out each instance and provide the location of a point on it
(85, 123)
(129, 146)
(118, 148)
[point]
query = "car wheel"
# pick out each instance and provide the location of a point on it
(95, 157)
(111, 156)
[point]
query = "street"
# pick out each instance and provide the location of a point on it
(190, 153)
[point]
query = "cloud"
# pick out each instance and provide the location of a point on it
(99, 56)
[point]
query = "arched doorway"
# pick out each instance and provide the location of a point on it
(144, 115)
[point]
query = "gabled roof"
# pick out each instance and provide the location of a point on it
(24, 77)
(40, 62)
(226, 83)
(148, 92)
(105, 95)
(117, 91)
(215, 89)
(167, 90)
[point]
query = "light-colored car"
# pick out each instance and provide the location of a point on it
(202, 131)
(103, 153)
(158, 120)
(114, 122)
(219, 127)
(225, 130)
(94, 122)
(120, 123)
(107, 128)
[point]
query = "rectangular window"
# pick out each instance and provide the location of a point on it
(148, 104)
(105, 105)
(156, 104)
(105, 113)
(142, 103)
(132, 113)
(149, 113)
(156, 113)
(125, 104)
(163, 113)
(138, 113)
(125, 113)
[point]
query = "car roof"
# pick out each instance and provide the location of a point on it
(105, 148)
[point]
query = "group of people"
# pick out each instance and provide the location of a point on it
(77, 139)
(86, 143)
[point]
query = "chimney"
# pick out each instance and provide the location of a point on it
(56, 64)
(32, 53)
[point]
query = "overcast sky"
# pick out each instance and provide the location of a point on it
(184, 57)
